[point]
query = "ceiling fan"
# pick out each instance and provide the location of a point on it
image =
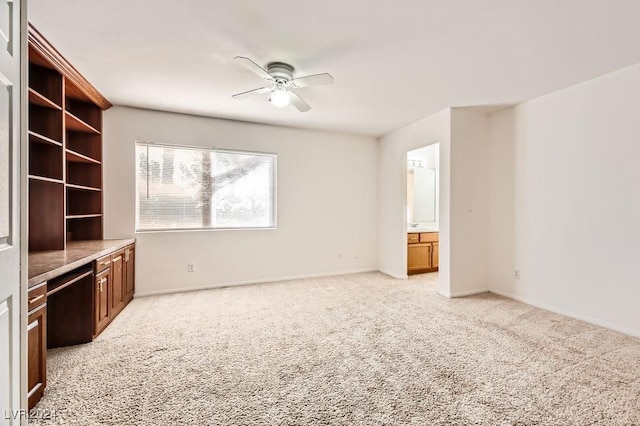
(282, 85)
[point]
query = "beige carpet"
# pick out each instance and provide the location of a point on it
(348, 350)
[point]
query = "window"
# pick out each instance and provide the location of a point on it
(195, 188)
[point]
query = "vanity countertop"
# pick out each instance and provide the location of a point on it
(421, 230)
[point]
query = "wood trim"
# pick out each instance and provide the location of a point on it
(59, 62)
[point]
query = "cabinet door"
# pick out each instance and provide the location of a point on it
(435, 256)
(102, 301)
(130, 271)
(418, 256)
(117, 283)
(37, 353)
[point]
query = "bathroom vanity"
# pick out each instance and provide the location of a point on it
(422, 252)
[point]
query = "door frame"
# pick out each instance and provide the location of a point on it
(23, 187)
(404, 199)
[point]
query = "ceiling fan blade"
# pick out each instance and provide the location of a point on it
(250, 93)
(297, 102)
(313, 80)
(249, 64)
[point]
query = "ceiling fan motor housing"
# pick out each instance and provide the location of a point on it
(280, 71)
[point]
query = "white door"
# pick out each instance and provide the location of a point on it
(10, 300)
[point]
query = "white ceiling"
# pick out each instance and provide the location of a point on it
(393, 61)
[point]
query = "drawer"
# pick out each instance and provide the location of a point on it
(36, 296)
(102, 263)
(413, 238)
(427, 237)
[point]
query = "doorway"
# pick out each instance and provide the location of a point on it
(423, 205)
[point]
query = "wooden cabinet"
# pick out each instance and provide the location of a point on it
(129, 272)
(435, 255)
(418, 257)
(102, 301)
(65, 150)
(422, 252)
(118, 291)
(73, 306)
(114, 285)
(37, 343)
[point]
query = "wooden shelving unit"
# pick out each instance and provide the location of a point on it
(65, 150)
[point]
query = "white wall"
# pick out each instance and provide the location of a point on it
(565, 201)
(463, 135)
(469, 209)
(392, 193)
(327, 203)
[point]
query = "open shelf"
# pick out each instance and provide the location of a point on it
(87, 112)
(46, 122)
(75, 124)
(38, 99)
(76, 157)
(46, 214)
(65, 150)
(83, 216)
(86, 144)
(46, 83)
(45, 160)
(89, 228)
(46, 179)
(82, 187)
(84, 175)
(38, 138)
(83, 204)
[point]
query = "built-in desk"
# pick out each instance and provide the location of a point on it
(44, 265)
(73, 295)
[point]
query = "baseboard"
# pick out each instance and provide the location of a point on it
(391, 274)
(248, 282)
(555, 309)
(462, 293)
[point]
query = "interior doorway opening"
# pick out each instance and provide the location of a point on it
(423, 209)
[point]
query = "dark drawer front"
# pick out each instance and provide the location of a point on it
(102, 263)
(37, 296)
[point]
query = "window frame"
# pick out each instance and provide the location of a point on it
(274, 155)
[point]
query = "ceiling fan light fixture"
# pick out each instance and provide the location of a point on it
(283, 83)
(280, 98)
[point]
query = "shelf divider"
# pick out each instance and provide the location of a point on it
(83, 216)
(77, 125)
(39, 99)
(37, 137)
(82, 187)
(45, 179)
(76, 157)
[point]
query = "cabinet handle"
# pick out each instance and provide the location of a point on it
(35, 299)
(105, 263)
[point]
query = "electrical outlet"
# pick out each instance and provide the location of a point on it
(516, 274)
(191, 267)
(339, 256)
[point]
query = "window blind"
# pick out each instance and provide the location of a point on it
(195, 188)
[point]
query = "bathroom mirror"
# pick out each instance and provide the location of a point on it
(421, 195)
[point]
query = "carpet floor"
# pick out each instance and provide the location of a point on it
(361, 349)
